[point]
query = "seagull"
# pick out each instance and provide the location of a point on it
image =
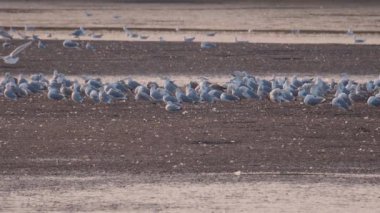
(215, 93)
(374, 101)
(181, 97)
(66, 91)
(116, 94)
(76, 96)
(6, 44)
(248, 93)
(21, 35)
(24, 89)
(78, 32)
(54, 94)
(358, 40)
(170, 86)
(276, 95)
(191, 93)
(207, 45)
(104, 97)
(5, 35)
(206, 98)
(155, 94)
(313, 100)
(141, 95)
(341, 102)
(350, 32)
(70, 44)
(172, 107)
(35, 37)
(240, 41)
(168, 98)
(12, 57)
(295, 31)
(132, 84)
(9, 93)
(88, 14)
(41, 44)
(130, 33)
(211, 33)
(29, 28)
(228, 98)
(144, 37)
(96, 35)
(94, 95)
(89, 46)
(189, 39)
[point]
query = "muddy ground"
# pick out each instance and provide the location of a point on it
(137, 157)
(133, 156)
(42, 136)
(179, 58)
(39, 136)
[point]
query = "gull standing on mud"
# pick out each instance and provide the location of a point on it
(313, 100)
(89, 46)
(78, 32)
(9, 92)
(342, 102)
(70, 44)
(6, 44)
(76, 96)
(172, 107)
(374, 101)
(188, 39)
(207, 45)
(12, 57)
(41, 44)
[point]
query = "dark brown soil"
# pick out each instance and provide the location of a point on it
(170, 58)
(41, 136)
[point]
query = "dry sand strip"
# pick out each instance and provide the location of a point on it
(201, 35)
(191, 193)
(125, 58)
(257, 15)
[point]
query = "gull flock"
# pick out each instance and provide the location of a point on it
(311, 91)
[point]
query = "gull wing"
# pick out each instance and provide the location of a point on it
(23, 36)
(20, 48)
(5, 34)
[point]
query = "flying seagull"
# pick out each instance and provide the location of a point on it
(12, 57)
(4, 34)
